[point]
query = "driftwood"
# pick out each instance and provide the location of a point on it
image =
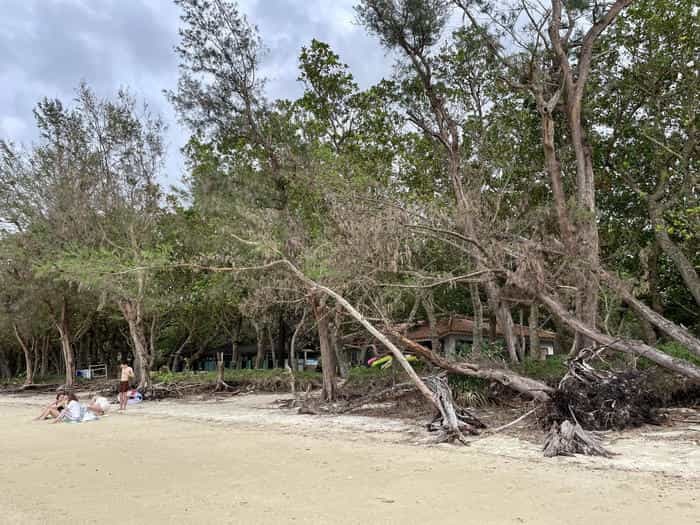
(451, 422)
(512, 423)
(569, 438)
(529, 387)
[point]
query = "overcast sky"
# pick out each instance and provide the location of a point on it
(48, 46)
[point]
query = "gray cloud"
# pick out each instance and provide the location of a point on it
(47, 47)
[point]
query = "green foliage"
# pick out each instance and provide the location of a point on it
(679, 352)
(469, 391)
(416, 25)
(551, 370)
(273, 380)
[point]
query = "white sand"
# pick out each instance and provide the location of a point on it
(240, 461)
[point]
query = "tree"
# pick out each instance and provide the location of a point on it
(415, 28)
(122, 154)
(39, 216)
(648, 140)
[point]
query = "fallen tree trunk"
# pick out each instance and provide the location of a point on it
(671, 329)
(450, 425)
(530, 387)
(627, 346)
(398, 355)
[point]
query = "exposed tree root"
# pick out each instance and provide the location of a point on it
(223, 386)
(596, 399)
(603, 399)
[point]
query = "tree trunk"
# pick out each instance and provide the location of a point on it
(220, 380)
(5, 372)
(530, 387)
(478, 334)
(523, 345)
(293, 364)
(585, 245)
(132, 314)
(175, 362)
(626, 346)
(28, 358)
(588, 304)
(563, 339)
(338, 350)
(152, 342)
(260, 355)
(429, 307)
(271, 339)
(397, 354)
(504, 319)
(535, 351)
(36, 354)
(220, 369)
(281, 348)
(328, 363)
(553, 167)
(656, 301)
(683, 264)
(668, 327)
(45, 347)
(234, 354)
(63, 328)
(234, 333)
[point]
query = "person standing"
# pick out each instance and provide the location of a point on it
(126, 373)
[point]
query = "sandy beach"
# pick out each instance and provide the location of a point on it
(241, 461)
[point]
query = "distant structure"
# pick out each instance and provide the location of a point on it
(458, 330)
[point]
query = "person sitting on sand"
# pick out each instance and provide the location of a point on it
(74, 411)
(54, 408)
(99, 405)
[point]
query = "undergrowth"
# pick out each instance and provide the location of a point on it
(272, 380)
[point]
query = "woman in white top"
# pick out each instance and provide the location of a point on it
(74, 411)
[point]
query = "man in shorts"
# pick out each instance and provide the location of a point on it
(126, 373)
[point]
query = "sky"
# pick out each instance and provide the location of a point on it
(47, 47)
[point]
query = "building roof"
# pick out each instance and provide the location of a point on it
(461, 325)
